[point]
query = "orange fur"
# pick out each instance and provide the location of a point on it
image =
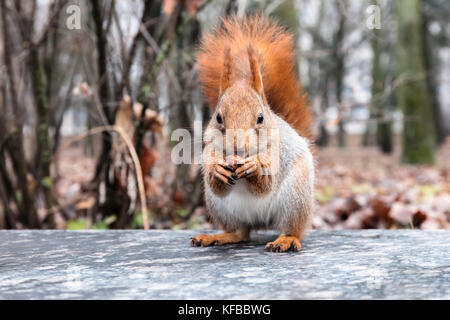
(207, 240)
(284, 243)
(231, 50)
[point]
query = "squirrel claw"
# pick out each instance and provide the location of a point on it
(247, 170)
(195, 243)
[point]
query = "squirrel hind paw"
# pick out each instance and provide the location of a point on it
(284, 244)
(203, 240)
(207, 240)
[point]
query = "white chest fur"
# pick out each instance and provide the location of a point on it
(243, 206)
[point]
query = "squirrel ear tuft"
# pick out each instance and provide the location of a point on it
(225, 78)
(256, 81)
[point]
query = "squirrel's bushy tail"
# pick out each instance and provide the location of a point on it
(273, 46)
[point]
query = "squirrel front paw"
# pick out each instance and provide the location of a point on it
(223, 172)
(248, 169)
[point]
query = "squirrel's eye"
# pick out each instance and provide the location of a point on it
(219, 118)
(260, 119)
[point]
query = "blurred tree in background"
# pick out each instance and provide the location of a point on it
(413, 96)
(379, 104)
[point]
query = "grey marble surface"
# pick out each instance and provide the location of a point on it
(161, 265)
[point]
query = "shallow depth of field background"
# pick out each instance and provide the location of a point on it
(381, 98)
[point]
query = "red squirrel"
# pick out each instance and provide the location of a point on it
(246, 69)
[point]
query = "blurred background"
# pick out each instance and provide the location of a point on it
(91, 91)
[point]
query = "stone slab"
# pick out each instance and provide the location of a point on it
(370, 264)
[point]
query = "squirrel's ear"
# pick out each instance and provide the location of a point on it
(256, 81)
(225, 78)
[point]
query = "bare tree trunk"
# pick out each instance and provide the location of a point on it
(431, 65)
(7, 220)
(39, 84)
(104, 92)
(379, 106)
(419, 141)
(28, 214)
(339, 57)
(182, 108)
(3, 204)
